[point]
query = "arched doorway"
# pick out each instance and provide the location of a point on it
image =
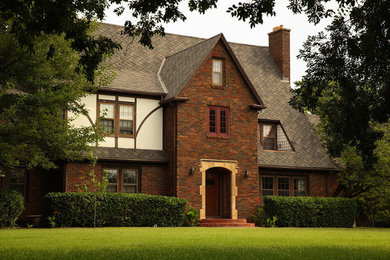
(225, 204)
(218, 193)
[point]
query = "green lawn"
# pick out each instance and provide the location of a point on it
(195, 243)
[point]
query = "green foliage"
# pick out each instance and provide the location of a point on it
(271, 222)
(52, 220)
(259, 217)
(347, 80)
(370, 186)
(192, 216)
(34, 93)
(11, 206)
(115, 209)
(311, 211)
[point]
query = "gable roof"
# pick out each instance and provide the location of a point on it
(138, 68)
(177, 69)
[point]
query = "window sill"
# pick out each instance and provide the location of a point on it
(217, 86)
(218, 136)
(278, 151)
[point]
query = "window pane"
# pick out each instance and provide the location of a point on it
(212, 121)
(107, 110)
(299, 187)
(126, 127)
(129, 188)
(267, 183)
(268, 137)
(112, 188)
(217, 66)
(126, 112)
(111, 175)
(129, 176)
(108, 125)
(223, 122)
(283, 186)
(217, 78)
(17, 180)
(267, 192)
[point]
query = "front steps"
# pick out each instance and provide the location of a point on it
(224, 222)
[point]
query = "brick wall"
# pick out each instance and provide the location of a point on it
(169, 141)
(193, 144)
(153, 176)
(319, 183)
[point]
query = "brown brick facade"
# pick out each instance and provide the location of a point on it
(152, 176)
(194, 144)
(318, 183)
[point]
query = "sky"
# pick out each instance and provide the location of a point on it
(215, 21)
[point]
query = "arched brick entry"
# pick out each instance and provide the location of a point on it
(224, 167)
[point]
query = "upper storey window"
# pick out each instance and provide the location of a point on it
(273, 137)
(218, 119)
(117, 117)
(217, 72)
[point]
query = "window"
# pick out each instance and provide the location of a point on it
(218, 118)
(299, 187)
(273, 137)
(17, 180)
(283, 186)
(118, 117)
(122, 180)
(107, 111)
(217, 72)
(267, 186)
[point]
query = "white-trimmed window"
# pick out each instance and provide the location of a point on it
(273, 137)
(124, 180)
(117, 117)
(217, 72)
(283, 185)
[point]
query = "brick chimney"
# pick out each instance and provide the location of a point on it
(279, 48)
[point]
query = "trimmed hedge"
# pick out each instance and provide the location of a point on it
(72, 209)
(311, 211)
(11, 206)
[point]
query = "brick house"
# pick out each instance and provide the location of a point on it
(202, 119)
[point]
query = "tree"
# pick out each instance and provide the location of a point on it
(347, 81)
(35, 91)
(370, 186)
(72, 18)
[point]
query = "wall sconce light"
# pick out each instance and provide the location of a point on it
(192, 170)
(246, 174)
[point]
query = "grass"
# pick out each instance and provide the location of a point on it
(195, 243)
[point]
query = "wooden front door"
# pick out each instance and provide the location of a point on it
(212, 194)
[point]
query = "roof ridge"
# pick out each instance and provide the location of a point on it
(193, 46)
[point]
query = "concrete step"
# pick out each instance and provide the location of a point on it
(223, 220)
(225, 223)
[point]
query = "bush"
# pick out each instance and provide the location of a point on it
(311, 211)
(72, 209)
(191, 217)
(259, 217)
(11, 206)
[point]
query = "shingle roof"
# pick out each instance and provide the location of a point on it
(136, 155)
(179, 67)
(138, 67)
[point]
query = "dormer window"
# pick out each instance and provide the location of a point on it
(217, 72)
(273, 137)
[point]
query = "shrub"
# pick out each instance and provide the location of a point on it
(259, 217)
(11, 206)
(311, 211)
(115, 209)
(191, 217)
